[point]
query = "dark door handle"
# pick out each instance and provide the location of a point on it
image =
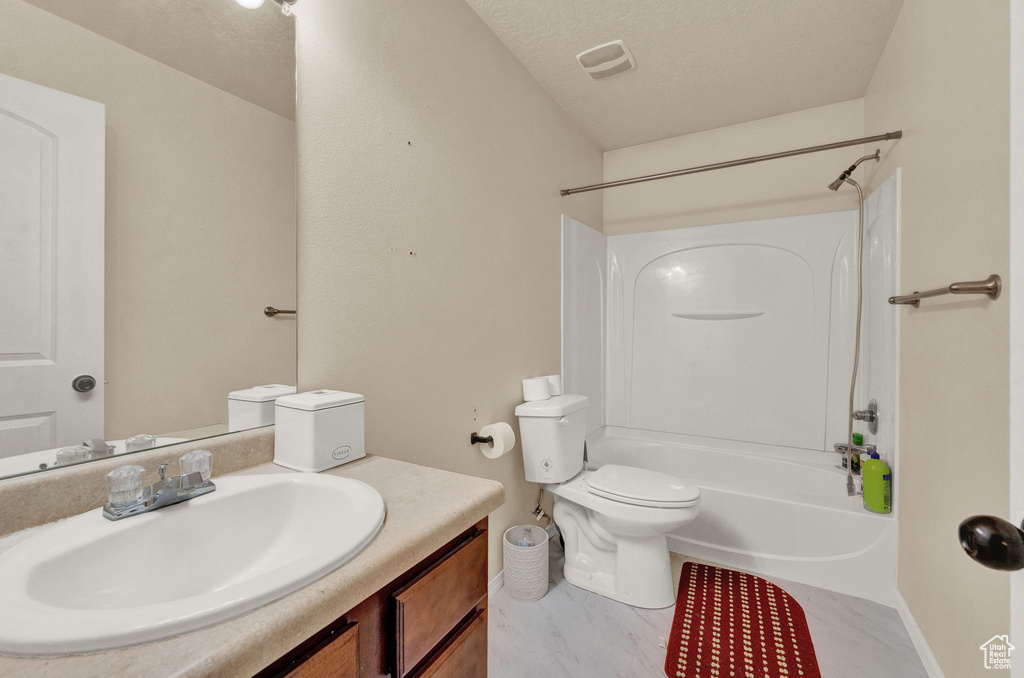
(84, 383)
(993, 542)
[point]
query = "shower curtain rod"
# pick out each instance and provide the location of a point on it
(888, 136)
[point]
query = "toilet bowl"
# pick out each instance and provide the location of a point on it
(614, 520)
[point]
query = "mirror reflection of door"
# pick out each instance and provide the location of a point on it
(147, 217)
(51, 267)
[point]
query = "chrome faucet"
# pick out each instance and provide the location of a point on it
(865, 415)
(127, 497)
(869, 415)
(98, 447)
(858, 449)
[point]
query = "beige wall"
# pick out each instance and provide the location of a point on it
(944, 79)
(429, 167)
(787, 187)
(200, 225)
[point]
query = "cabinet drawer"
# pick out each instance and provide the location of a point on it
(432, 605)
(464, 656)
(336, 658)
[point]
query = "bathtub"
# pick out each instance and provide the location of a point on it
(780, 513)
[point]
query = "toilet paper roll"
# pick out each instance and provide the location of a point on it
(503, 439)
(555, 384)
(538, 388)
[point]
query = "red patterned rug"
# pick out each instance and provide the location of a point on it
(729, 624)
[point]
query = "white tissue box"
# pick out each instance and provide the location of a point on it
(318, 430)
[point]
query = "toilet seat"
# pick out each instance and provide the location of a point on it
(641, 487)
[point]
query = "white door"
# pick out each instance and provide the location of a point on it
(51, 267)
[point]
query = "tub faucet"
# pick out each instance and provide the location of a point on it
(127, 497)
(868, 449)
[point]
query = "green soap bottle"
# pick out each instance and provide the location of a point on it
(877, 478)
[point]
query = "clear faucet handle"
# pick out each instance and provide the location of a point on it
(124, 486)
(197, 461)
(73, 455)
(142, 441)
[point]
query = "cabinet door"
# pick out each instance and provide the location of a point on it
(337, 658)
(433, 604)
(464, 656)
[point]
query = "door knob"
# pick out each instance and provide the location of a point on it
(993, 542)
(83, 383)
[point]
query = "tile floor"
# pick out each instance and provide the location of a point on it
(572, 633)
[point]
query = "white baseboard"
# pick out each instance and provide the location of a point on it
(931, 664)
(495, 584)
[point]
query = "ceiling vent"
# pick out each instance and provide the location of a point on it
(607, 59)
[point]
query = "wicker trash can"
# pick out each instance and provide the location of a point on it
(526, 562)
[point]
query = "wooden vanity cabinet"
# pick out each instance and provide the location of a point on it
(430, 622)
(464, 655)
(336, 657)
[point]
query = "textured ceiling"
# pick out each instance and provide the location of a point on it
(249, 53)
(701, 64)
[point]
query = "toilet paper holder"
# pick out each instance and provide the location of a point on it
(494, 440)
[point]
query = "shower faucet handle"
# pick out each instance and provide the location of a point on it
(869, 415)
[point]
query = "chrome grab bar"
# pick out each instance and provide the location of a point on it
(991, 286)
(270, 311)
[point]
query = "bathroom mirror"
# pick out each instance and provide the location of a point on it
(147, 218)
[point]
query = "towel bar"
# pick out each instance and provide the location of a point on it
(991, 286)
(270, 311)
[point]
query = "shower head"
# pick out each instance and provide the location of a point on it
(834, 186)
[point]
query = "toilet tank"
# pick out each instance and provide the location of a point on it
(553, 432)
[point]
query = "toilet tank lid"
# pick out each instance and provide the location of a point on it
(630, 482)
(262, 394)
(319, 400)
(559, 406)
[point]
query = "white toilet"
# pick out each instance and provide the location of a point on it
(613, 520)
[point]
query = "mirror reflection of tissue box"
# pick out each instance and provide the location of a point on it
(318, 430)
(254, 407)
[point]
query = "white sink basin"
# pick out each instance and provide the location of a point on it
(88, 584)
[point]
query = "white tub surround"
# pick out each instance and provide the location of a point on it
(584, 282)
(726, 354)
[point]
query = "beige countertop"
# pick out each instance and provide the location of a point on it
(425, 508)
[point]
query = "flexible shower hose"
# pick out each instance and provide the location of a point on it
(850, 488)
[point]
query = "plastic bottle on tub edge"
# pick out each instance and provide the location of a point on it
(877, 480)
(856, 458)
